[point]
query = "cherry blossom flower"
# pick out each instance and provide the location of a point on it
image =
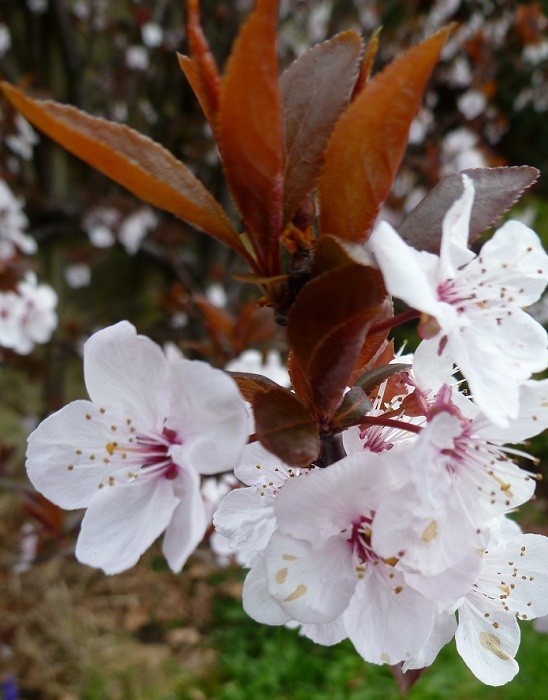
(472, 305)
(512, 584)
(27, 316)
(133, 454)
(320, 568)
(456, 477)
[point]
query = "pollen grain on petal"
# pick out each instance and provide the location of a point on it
(281, 575)
(297, 593)
(430, 532)
(492, 643)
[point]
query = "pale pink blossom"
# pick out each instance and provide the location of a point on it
(134, 453)
(27, 316)
(472, 304)
(455, 478)
(320, 568)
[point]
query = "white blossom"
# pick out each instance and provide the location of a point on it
(13, 221)
(135, 227)
(133, 454)
(28, 315)
(472, 304)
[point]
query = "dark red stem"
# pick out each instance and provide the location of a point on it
(390, 423)
(408, 315)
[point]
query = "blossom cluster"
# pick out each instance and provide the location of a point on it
(27, 308)
(400, 544)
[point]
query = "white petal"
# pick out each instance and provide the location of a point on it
(454, 251)
(312, 585)
(408, 274)
(326, 501)
(124, 371)
(207, 409)
(188, 522)
(531, 420)
(65, 455)
(122, 521)
(387, 623)
(520, 568)
(443, 632)
(257, 601)
(517, 252)
(428, 538)
(452, 584)
(246, 519)
(487, 641)
(495, 359)
(327, 634)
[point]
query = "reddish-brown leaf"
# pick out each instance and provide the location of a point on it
(331, 252)
(354, 406)
(331, 363)
(194, 76)
(367, 62)
(285, 427)
(314, 91)
(210, 80)
(367, 145)
(298, 381)
(249, 384)
(250, 132)
(142, 166)
(495, 191)
(326, 329)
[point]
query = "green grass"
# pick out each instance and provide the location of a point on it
(257, 662)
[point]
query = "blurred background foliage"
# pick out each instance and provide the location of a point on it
(67, 631)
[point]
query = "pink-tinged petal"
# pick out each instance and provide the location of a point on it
(487, 640)
(327, 634)
(125, 371)
(520, 569)
(208, 412)
(66, 455)
(335, 497)
(452, 584)
(427, 535)
(122, 521)
(386, 620)
(188, 522)
(312, 585)
(531, 420)
(246, 518)
(454, 251)
(495, 357)
(408, 274)
(256, 599)
(515, 258)
(443, 632)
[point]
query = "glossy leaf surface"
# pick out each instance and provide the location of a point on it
(367, 145)
(314, 91)
(285, 427)
(250, 132)
(495, 190)
(326, 329)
